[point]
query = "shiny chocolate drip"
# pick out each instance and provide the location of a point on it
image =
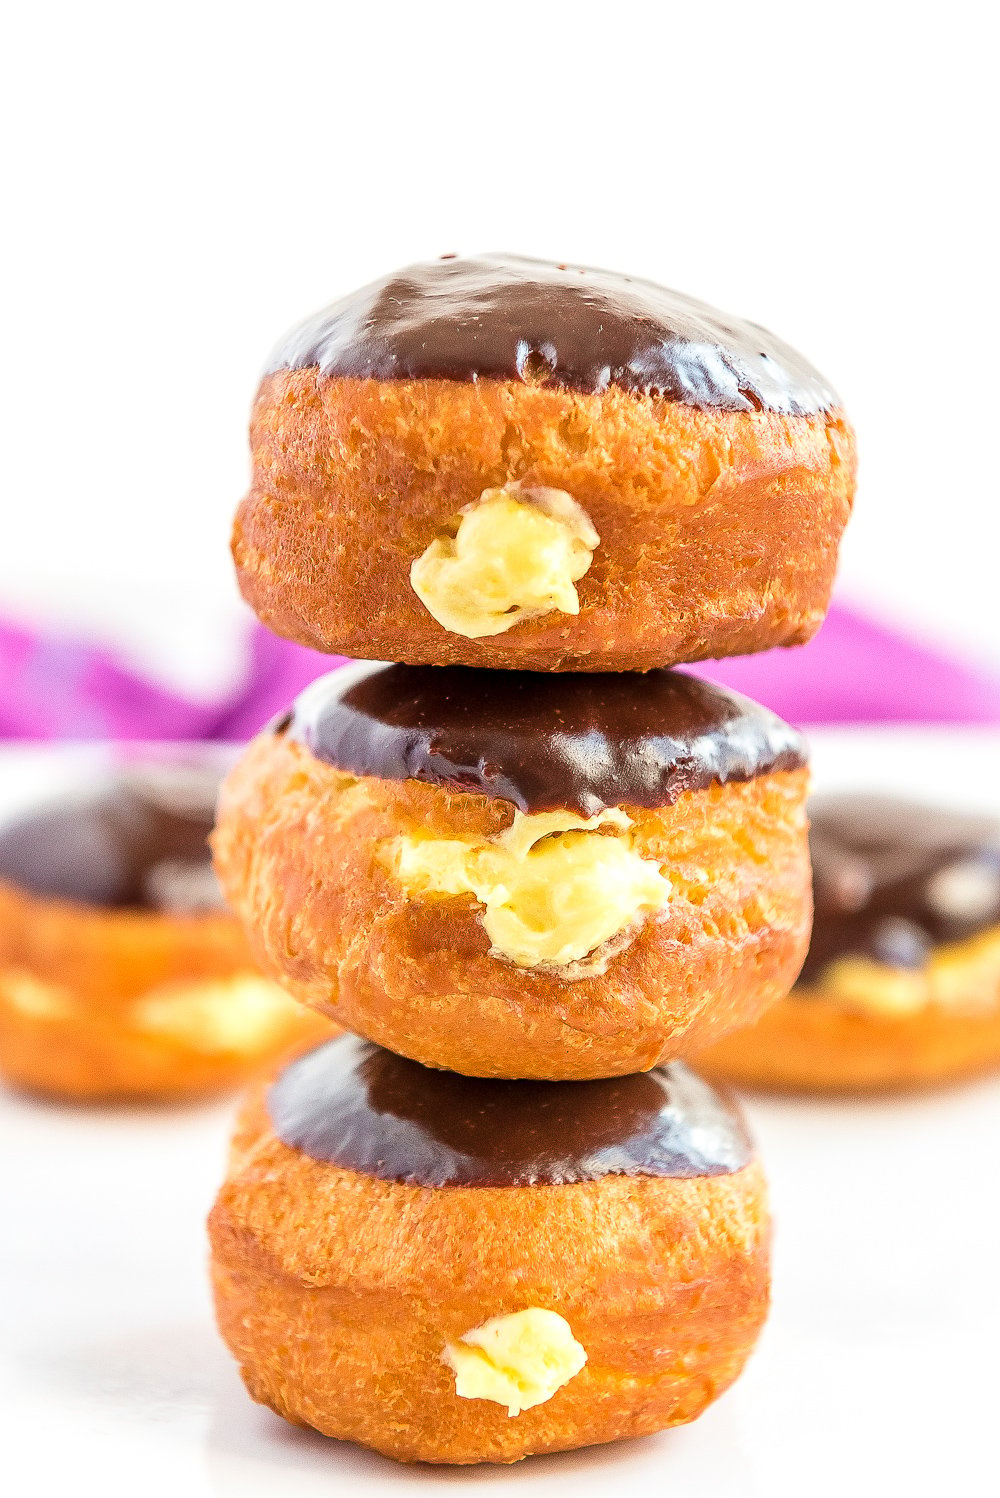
(543, 742)
(502, 317)
(893, 879)
(139, 842)
(355, 1105)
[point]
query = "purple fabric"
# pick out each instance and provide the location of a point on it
(53, 687)
(858, 671)
(854, 671)
(277, 673)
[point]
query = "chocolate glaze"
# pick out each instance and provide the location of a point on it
(138, 842)
(889, 877)
(502, 317)
(544, 742)
(360, 1107)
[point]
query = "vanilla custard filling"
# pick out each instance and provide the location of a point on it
(963, 977)
(518, 1360)
(554, 886)
(216, 1016)
(33, 998)
(513, 554)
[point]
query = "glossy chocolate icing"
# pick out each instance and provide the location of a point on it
(358, 1106)
(502, 317)
(543, 742)
(137, 842)
(893, 879)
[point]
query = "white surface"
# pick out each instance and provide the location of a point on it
(186, 181)
(876, 1374)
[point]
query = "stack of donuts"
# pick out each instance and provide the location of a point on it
(527, 865)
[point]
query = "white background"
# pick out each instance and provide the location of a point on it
(189, 179)
(186, 180)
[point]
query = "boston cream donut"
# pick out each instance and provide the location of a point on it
(514, 875)
(121, 971)
(451, 1270)
(902, 982)
(502, 462)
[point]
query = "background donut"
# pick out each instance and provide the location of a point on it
(901, 986)
(122, 974)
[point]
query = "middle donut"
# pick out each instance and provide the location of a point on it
(506, 874)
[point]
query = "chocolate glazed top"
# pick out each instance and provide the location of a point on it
(357, 1106)
(893, 879)
(544, 742)
(139, 842)
(502, 317)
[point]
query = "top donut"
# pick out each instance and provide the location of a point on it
(501, 462)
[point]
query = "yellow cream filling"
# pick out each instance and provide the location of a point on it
(554, 887)
(33, 998)
(518, 1360)
(513, 554)
(219, 1016)
(242, 1014)
(961, 976)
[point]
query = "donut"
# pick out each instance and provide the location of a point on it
(507, 463)
(122, 974)
(455, 1270)
(506, 874)
(901, 986)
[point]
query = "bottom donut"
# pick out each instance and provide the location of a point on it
(456, 1270)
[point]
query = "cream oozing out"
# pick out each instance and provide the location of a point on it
(555, 887)
(963, 977)
(518, 1360)
(513, 554)
(236, 1015)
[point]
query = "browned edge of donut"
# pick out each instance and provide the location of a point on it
(810, 1043)
(719, 529)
